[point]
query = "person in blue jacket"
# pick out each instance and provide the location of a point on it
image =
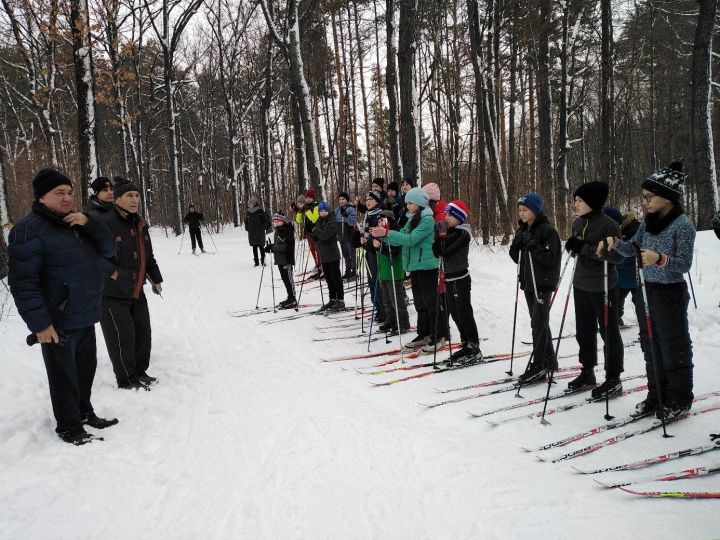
(57, 266)
(627, 269)
(346, 217)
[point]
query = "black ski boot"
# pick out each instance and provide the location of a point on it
(94, 421)
(586, 378)
(77, 436)
(672, 410)
(647, 406)
(611, 387)
(147, 380)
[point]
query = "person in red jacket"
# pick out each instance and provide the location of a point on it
(436, 203)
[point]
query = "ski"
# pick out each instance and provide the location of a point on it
(568, 407)
(681, 475)
(510, 388)
(388, 352)
(626, 435)
(676, 494)
(486, 360)
(634, 417)
(258, 311)
(566, 336)
(476, 362)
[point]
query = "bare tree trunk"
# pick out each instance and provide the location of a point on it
(409, 135)
(363, 92)
(4, 212)
(341, 129)
(607, 105)
(544, 100)
(391, 89)
(701, 116)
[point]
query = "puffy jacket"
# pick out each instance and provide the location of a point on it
(283, 246)
(325, 236)
(56, 271)
(541, 240)
(257, 223)
(454, 250)
(387, 271)
(95, 207)
(345, 216)
(416, 242)
(307, 217)
(134, 258)
(193, 220)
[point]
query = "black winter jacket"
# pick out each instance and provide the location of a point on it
(193, 220)
(542, 242)
(283, 246)
(325, 237)
(56, 271)
(257, 223)
(592, 228)
(95, 207)
(134, 258)
(454, 250)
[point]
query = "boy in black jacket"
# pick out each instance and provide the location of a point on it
(325, 236)
(283, 250)
(453, 245)
(591, 227)
(536, 247)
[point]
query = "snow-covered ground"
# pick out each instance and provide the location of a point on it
(248, 435)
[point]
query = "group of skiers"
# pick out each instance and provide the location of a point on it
(69, 270)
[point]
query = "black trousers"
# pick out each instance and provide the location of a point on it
(544, 353)
(671, 341)
(589, 315)
(372, 282)
(196, 236)
(261, 249)
(461, 310)
(431, 315)
(391, 289)
(636, 295)
(333, 278)
(125, 325)
(71, 371)
(286, 271)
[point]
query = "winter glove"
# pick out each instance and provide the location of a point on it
(343, 211)
(530, 244)
(268, 246)
(574, 245)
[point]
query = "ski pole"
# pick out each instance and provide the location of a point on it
(651, 338)
(387, 339)
(322, 296)
(606, 318)
(302, 284)
(373, 298)
(532, 274)
(557, 346)
(181, 241)
(257, 301)
(517, 292)
(272, 279)
(692, 289)
(211, 236)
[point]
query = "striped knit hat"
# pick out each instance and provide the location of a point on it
(458, 210)
(667, 182)
(279, 216)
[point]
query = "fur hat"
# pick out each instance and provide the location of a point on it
(100, 183)
(593, 193)
(417, 196)
(458, 210)
(533, 201)
(433, 191)
(667, 182)
(122, 186)
(46, 180)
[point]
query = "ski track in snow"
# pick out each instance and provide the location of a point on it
(249, 436)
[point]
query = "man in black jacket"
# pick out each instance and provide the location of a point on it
(125, 319)
(57, 261)
(193, 219)
(101, 201)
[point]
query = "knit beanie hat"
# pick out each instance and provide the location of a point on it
(122, 186)
(100, 183)
(279, 216)
(394, 186)
(373, 195)
(46, 180)
(667, 182)
(324, 207)
(300, 201)
(613, 213)
(533, 201)
(433, 191)
(254, 201)
(310, 193)
(458, 210)
(593, 193)
(344, 195)
(417, 196)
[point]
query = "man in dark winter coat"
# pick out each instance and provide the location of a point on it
(346, 217)
(57, 261)
(257, 224)
(536, 247)
(325, 237)
(193, 219)
(101, 201)
(125, 319)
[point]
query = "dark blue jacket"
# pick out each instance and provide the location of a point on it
(627, 270)
(57, 271)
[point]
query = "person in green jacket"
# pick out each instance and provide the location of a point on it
(416, 238)
(390, 275)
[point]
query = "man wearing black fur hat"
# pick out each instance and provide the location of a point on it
(591, 226)
(57, 262)
(101, 201)
(125, 319)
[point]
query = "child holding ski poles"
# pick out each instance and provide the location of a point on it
(416, 239)
(390, 275)
(283, 250)
(325, 238)
(536, 247)
(590, 290)
(665, 241)
(453, 245)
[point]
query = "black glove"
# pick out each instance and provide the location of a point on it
(574, 245)
(530, 244)
(343, 211)
(268, 246)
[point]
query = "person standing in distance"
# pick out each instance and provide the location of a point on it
(193, 219)
(57, 261)
(125, 319)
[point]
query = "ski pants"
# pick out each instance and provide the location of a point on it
(671, 342)
(261, 257)
(391, 289)
(636, 295)
(71, 371)
(544, 354)
(125, 324)
(196, 236)
(313, 251)
(372, 282)
(589, 315)
(460, 307)
(286, 271)
(348, 253)
(431, 316)
(334, 280)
